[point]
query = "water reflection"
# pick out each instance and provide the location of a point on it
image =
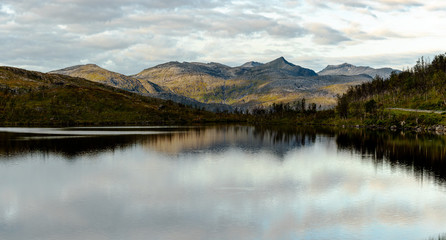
(278, 141)
(419, 154)
(71, 142)
(230, 182)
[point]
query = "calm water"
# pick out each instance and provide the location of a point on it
(220, 183)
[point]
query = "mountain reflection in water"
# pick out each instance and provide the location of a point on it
(420, 154)
(169, 141)
(413, 151)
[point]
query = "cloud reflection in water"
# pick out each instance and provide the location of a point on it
(214, 183)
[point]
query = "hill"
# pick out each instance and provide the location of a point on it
(34, 98)
(351, 70)
(95, 73)
(395, 101)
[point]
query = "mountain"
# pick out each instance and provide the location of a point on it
(34, 98)
(276, 69)
(193, 80)
(95, 73)
(218, 87)
(177, 68)
(246, 86)
(279, 68)
(282, 65)
(350, 70)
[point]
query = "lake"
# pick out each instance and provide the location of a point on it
(220, 182)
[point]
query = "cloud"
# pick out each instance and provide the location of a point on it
(87, 12)
(78, 30)
(45, 35)
(346, 3)
(325, 35)
(378, 5)
(6, 10)
(355, 32)
(247, 24)
(107, 40)
(436, 6)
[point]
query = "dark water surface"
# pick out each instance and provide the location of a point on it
(220, 183)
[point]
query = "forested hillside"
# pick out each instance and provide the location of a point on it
(422, 87)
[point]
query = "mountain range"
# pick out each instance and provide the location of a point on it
(216, 86)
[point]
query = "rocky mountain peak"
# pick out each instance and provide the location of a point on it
(281, 68)
(280, 62)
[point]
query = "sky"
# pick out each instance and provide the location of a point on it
(128, 36)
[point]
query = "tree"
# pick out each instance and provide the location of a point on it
(342, 106)
(312, 107)
(370, 106)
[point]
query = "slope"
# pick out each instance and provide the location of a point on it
(95, 73)
(34, 98)
(193, 80)
(141, 86)
(380, 101)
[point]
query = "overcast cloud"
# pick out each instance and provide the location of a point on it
(130, 35)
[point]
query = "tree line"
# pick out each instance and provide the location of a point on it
(422, 86)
